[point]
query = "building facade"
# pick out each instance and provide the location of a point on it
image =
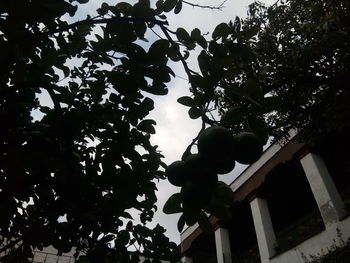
(289, 206)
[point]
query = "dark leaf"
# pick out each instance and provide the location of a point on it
(66, 70)
(181, 223)
(140, 29)
(178, 7)
(173, 204)
(194, 113)
(107, 238)
(147, 126)
(157, 88)
(142, 9)
(237, 25)
(203, 62)
(169, 5)
(221, 31)
(173, 54)
(248, 34)
(103, 9)
(186, 101)
(190, 214)
(129, 226)
(147, 104)
(232, 116)
(197, 37)
(124, 8)
(158, 50)
(182, 34)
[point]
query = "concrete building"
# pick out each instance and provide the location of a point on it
(289, 206)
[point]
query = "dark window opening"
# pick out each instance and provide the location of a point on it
(335, 150)
(244, 245)
(203, 249)
(293, 209)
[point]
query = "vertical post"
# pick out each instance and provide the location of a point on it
(223, 247)
(263, 227)
(323, 188)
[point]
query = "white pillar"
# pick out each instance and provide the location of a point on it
(186, 260)
(323, 188)
(223, 247)
(263, 227)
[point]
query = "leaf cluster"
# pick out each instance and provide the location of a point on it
(283, 67)
(295, 75)
(71, 169)
(219, 201)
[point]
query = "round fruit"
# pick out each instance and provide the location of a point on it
(216, 143)
(195, 164)
(196, 195)
(224, 166)
(199, 170)
(248, 147)
(177, 173)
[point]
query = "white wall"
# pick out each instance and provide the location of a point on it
(317, 245)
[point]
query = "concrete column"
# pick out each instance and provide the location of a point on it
(323, 188)
(186, 260)
(223, 248)
(263, 227)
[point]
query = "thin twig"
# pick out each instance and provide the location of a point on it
(189, 147)
(206, 119)
(220, 7)
(91, 49)
(154, 32)
(182, 59)
(180, 77)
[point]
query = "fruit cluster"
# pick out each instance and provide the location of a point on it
(218, 150)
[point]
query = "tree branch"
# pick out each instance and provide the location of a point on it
(219, 7)
(182, 59)
(187, 152)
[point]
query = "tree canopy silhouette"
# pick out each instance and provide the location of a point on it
(71, 172)
(296, 72)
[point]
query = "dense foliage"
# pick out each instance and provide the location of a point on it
(71, 172)
(293, 71)
(283, 67)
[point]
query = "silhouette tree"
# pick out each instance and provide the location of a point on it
(294, 72)
(71, 172)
